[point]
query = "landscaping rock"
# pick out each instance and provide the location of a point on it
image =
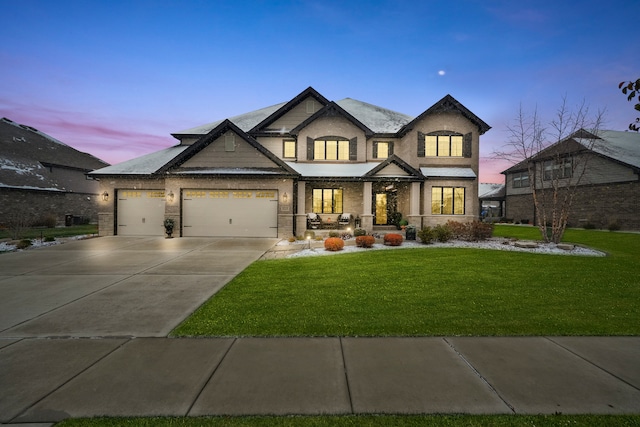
(565, 246)
(526, 245)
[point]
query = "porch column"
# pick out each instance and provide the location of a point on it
(414, 205)
(367, 216)
(301, 214)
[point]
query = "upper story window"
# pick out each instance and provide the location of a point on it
(331, 149)
(557, 169)
(444, 144)
(521, 180)
(382, 149)
(289, 149)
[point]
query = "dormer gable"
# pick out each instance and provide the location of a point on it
(333, 110)
(227, 147)
(448, 104)
(396, 167)
(291, 114)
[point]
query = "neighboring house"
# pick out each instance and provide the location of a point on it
(43, 180)
(608, 168)
(492, 199)
(260, 174)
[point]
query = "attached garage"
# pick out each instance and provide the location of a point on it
(230, 213)
(140, 212)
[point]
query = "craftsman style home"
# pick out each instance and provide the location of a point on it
(604, 169)
(305, 163)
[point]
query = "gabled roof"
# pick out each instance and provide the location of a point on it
(395, 160)
(143, 165)
(28, 155)
(620, 146)
(332, 110)
(379, 120)
(222, 128)
(308, 92)
(246, 122)
(446, 105)
(491, 191)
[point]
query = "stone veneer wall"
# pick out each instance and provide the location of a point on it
(599, 205)
(34, 205)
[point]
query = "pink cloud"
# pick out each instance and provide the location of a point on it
(112, 140)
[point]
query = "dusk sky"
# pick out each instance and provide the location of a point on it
(115, 78)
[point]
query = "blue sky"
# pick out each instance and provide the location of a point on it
(115, 78)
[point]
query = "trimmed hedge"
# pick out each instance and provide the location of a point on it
(392, 239)
(334, 244)
(365, 241)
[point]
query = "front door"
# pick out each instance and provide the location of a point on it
(385, 206)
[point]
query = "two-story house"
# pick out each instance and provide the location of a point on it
(262, 173)
(601, 169)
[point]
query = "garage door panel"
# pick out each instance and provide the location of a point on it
(140, 213)
(229, 213)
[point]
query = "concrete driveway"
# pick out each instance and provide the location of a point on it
(116, 286)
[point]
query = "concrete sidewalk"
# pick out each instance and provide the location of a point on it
(83, 331)
(47, 380)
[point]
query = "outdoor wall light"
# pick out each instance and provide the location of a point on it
(105, 196)
(170, 196)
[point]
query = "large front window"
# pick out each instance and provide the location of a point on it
(443, 145)
(327, 200)
(331, 149)
(447, 200)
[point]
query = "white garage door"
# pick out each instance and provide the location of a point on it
(230, 213)
(140, 212)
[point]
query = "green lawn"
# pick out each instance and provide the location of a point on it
(434, 292)
(369, 421)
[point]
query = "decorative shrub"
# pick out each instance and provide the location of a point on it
(334, 234)
(426, 235)
(392, 239)
(48, 220)
(334, 244)
(365, 241)
(442, 233)
(589, 226)
(23, 244)
(614, 226)
(395, 219)
(49, 239)
(471, 231)
(458, 229)
(292, 239)
(359, 232)
(403, 222)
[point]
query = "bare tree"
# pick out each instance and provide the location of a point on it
(555, 157)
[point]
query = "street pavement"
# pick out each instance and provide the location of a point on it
(84, 325)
